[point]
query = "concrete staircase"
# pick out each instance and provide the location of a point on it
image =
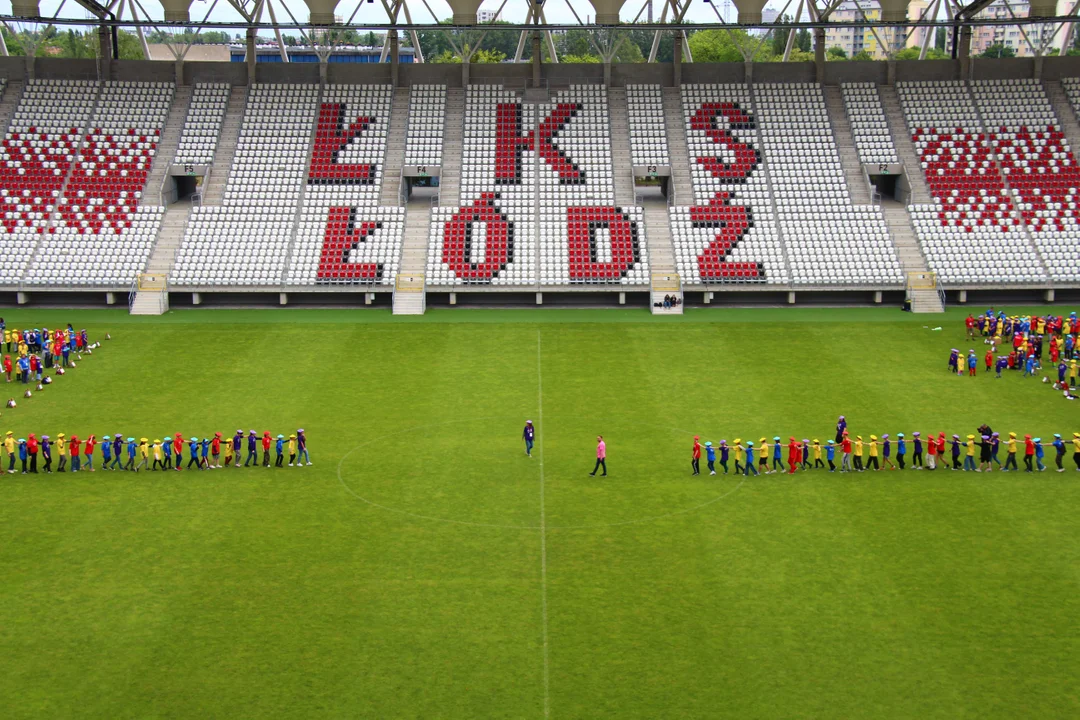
(920, 193)
(150, 302)
(680, 157)
(454, 130)
(661, 255)
(12, 95)
(214, 193)
(622, 167)
(169, 238)
(911, 256)
(926, 301)
(413, 255)
(858, 186)
(395, 149)
(170, 140)
(1065, 112)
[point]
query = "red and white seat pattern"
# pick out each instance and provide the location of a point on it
(729, 235)
(344, 238)
(427, 121)
(829, 241)
(648, 129)
(101, 235)
(1038, 166)
(971, 233)
(490, 239)
(202, 127)
(244, 242)
(584, 238)
(39, 148)
(869, 127)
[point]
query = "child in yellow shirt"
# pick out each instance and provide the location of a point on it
(292, 449)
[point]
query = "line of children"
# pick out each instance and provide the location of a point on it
(167, 455)
(977, 453)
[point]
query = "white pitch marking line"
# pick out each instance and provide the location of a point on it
(543, 525)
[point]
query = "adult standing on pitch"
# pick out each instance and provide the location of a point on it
(841, 426)
(528, 435)
(301, 445)
(695, 457)
(601, 457)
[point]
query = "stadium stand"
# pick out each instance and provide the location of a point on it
(648, 129)
(970, 232)
(869, 126)
(1038, 166)
(244, 242)
(202, 128)
(829, 241)
(427, 118)
(344, 237)
(39, 148)
(731, 194)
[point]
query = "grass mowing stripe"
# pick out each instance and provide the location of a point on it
(543, 522)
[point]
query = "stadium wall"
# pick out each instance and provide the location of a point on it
(555, 75)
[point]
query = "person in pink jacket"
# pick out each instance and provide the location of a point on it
(601, 456)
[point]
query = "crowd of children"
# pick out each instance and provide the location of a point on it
(38, 350)
(74, 454)
(977, 452)
(1027, 338)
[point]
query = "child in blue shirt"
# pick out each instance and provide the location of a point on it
(279, 448)
(204, 454)
(106, 452)
(131, 448)
(710, 456)
(193, 453)
(901, 450)
(830, 455)
(1039, 453)
(777, 456)
(749, 459)
(166, 452)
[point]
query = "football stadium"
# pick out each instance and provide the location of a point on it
(608, 360)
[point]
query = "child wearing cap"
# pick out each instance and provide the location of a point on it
(777, 455)
(1010, 453)
(132, 449)
(215, 450)
(740, 453)
(845, 450)
(1059, 456)
(266, 448)
(1029, 454)
(830, 455)
(817, 455)
(228, 445)
(117, 451)
(792, 454)
(252, 456)
(695, 457)
(292, 449)
(724, 454)
(178, 449)
(858, 453)
(22, 454)
(157, 455)
(763, 457)
(873, 460)
(144, 455)
(61, 451)
(956, 452)
(1039, 453)
(193, 454)
(279, 448)
(886, 451)
(995, 446)
(166, 452)
(901, 450)
(73, 449)
(749, 467)
(88, 452)
(804, 454)
(710, 456)
(204, 454)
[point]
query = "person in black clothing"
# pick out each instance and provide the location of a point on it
(528, 434)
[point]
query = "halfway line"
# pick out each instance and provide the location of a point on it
(543, 524)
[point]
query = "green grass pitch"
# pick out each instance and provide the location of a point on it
(425, 568)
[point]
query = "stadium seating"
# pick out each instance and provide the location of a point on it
(1039, 167)
(869, 127)
(244, 242)
(427, 121)
(100, 234)
(202, 127)
(39, 147)
(829, 240)
(343, 237)
(971, 233)
(648, 129)
(502, 211)
(730, 235)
